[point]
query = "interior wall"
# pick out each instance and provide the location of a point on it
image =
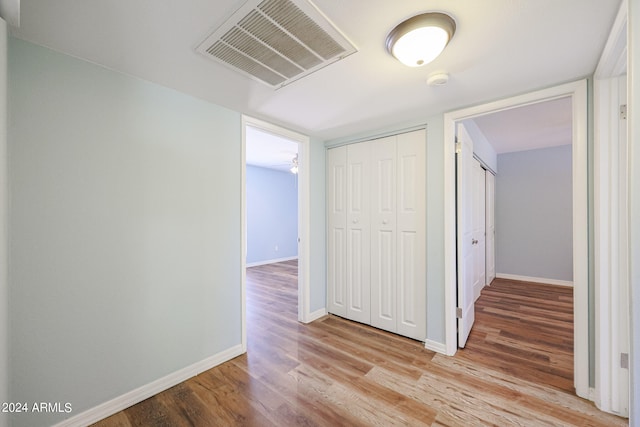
(4, 304)
(272, 215)
(125, 261)
(317, 224)
(534, 214)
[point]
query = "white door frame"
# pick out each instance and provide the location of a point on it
(611, 223)
(578, 92)
(303, 141)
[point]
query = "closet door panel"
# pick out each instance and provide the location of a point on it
(479, 224)
(337, 230)
(383, 234)
(358, 233)
(491, 228)
(411, 232)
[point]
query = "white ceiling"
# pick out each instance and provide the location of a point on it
(267, 150)
(501, 48)
(530, 127)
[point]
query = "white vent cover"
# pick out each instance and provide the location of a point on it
(277, 41)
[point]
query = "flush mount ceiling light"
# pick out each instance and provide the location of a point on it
(420, 39)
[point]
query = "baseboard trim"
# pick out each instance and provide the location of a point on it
(271, 261)
(316, 315)
(126, 400)
(435, 346)
(534, 279)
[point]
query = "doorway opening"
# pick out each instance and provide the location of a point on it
(274, 238)
(525, 324)
(577, 92)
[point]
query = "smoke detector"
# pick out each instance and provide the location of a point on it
(438, 79)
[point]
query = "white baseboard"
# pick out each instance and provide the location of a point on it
(316, 315)
(271, 261)
(126, 400)
(534, 279)
(435, 346)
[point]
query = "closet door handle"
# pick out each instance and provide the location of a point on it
(384, 221)
(355, 220)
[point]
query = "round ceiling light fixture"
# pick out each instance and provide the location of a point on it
(420, 39)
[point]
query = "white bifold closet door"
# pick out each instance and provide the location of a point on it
(358, 233)
(491, 227)
(380, 208)
(384, 234)
(337, 231)
(478, 230)
(348, 236)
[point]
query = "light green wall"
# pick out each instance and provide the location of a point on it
(124, 222)
(317, 255)
(435, 216)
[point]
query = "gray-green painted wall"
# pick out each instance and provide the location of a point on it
(534, 218)
(124, 221)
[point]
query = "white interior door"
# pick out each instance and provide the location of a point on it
(479, 224)
(383, 234)
(337, 230)
(358, 233)
(464, 207)
(491, 228)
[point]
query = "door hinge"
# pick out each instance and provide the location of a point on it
(458, 147)
(623, 112)
(624, 360)
(458, 313)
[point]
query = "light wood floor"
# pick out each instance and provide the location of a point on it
(515, 371)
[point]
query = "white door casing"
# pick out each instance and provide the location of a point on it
(466, 241)
(611, 223)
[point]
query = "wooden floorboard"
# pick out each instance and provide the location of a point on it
(516, 370)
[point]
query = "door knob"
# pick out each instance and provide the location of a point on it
(384, 221)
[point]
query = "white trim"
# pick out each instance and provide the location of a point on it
(542, 280)
(316, 315)
(611, 222)
(304, 275)
(435, 346)
(126, 400)
(271, 261)
(578, 91)
(373, 136)
(613, 61)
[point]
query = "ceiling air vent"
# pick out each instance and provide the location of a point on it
(277, 41)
